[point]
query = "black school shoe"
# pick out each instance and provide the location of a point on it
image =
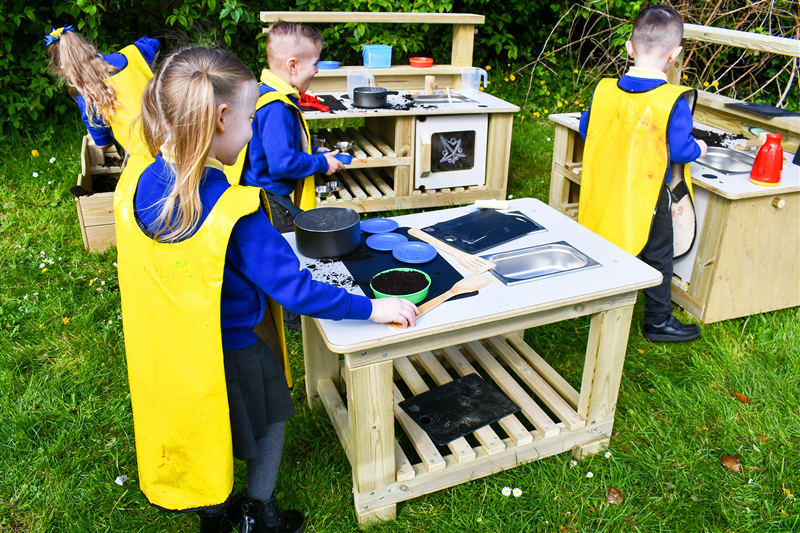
(671, 330)
(226, 521)
(264, 517)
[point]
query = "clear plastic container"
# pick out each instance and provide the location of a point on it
(377, 55)
(471, 79)
(358, 78)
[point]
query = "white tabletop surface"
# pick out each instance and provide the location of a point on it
(619, 272)
(491, 104)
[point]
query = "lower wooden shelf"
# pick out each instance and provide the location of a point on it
(548, 422)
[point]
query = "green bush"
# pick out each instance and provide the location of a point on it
(28, 94)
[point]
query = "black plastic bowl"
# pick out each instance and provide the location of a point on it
(327, 232)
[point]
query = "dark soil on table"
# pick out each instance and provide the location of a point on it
(399, 283)
(714, 139)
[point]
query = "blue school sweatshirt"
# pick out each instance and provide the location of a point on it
(682, 146)
(258, 261)
(276, 159)
(102, 135)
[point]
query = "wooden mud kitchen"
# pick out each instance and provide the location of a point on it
(398, 163)
(746, 254)
(482, 333)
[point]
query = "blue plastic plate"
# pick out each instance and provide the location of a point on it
(414, 252)
(378, 225)
(385, 242)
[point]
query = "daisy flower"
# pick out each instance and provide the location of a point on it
(52, 159)
(573, 463)
(589, 475)
(35, 174)
(506, 491)
(608, 455)
(517, 492)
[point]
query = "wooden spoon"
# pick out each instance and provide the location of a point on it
(469, 284)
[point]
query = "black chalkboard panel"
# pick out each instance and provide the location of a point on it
(483, 229)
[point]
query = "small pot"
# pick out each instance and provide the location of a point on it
(370, 97)
(327, 232)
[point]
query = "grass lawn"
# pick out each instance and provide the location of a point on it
(66, 430)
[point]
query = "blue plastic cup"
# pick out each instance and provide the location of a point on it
(344, 158)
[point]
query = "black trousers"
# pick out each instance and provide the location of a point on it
(282, 219)
(657, 253)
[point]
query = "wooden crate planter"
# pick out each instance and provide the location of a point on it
(95, 212)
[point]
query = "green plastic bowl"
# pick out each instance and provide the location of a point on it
(415, 298)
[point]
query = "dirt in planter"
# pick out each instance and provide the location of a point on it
(399, 283)
(105, 183)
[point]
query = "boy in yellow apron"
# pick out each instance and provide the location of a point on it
(280, 158)
(107, 88)
(637, 128)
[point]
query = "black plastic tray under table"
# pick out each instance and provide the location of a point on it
(458, 408)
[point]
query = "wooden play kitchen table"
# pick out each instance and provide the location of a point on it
(482, 333)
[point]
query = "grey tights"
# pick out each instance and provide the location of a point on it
(262, 471)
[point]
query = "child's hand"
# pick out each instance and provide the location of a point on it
(703, 147)
(397, 310)
(333, 163)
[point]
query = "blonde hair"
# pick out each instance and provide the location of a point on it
(284, 37)
(179, 109)
(74, 60)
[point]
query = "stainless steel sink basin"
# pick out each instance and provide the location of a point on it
(727, 161)
(537, 262)
(442, 99)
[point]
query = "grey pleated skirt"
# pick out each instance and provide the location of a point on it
(257, 395)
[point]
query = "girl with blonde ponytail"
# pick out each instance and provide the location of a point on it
(106, 87)
(201, 270)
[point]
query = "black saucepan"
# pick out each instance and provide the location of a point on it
(327, 232)
(370, 97)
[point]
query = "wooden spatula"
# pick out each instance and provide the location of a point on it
(479, 265)
(469, 284)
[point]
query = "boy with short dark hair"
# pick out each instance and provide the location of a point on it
(637, 128)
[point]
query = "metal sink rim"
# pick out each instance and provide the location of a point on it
(720, 151)
(560, 245)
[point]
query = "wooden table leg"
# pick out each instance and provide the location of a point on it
(370, 406)
(602, 373)
(320, 362)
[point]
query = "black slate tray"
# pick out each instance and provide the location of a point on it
(458, 408)
(764, 110)
(482, 229)
(443, 276)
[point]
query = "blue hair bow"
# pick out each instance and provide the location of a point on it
(55, 34)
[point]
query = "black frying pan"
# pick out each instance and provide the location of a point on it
(370, 97)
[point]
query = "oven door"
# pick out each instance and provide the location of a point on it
(450, 151)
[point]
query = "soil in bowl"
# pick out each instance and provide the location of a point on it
(399, 282)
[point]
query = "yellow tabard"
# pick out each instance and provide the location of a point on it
(626, 161)
(304, 196)
(171, 306)
(129, 84)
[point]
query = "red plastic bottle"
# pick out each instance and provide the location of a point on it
(769, 162)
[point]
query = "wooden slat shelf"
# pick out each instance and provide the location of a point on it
(516, 443)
